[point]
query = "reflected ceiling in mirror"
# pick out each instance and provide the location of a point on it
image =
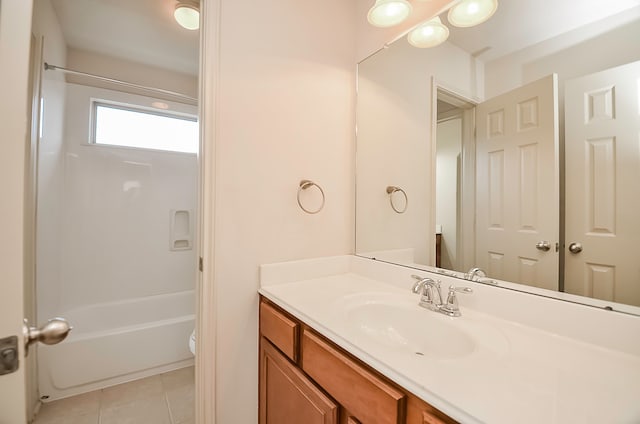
(516, 143)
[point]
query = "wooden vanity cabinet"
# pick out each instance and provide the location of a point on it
(305, 378)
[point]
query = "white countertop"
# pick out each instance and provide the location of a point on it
(516, 373)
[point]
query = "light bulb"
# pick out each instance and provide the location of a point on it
(187, 16)
(429, 34)
(468, 13)
(387, 13)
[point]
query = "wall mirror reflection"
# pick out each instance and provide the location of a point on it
(517, 143)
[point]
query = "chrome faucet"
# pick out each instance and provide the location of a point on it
(473, 273)
(429, 290)
(431, 296)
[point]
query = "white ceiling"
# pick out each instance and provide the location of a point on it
(141, 31)
(521, 23)
(144, 30)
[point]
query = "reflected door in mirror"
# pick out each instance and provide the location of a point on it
(603, 184)
(517, 184)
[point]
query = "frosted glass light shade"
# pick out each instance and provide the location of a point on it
(468, 13)
(387, 13)
(187, 15)
(429, 34)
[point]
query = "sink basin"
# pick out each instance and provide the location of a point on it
(397, 323)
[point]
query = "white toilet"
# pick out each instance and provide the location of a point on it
(192, 342)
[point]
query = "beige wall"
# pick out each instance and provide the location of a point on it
(286, 96)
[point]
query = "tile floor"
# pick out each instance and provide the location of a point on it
(161, 399)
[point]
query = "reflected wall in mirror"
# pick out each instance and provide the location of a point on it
(517, 143)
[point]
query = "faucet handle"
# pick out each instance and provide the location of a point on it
(417, 286)
(451, 307)
(421, 282)
(467, 290)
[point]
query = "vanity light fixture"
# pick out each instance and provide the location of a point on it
(468, 13)
(429, 34)
(187, 14)
(387, 13)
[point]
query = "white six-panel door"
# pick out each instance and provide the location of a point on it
(602, 121)
(517, 193)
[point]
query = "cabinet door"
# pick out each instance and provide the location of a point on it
(357, 388)
(287, 395)
(420, 412)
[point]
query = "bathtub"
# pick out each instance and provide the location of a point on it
(115, 342)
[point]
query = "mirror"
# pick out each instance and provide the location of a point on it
(512, 147)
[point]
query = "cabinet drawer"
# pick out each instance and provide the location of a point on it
(279, 329)
(365, 395)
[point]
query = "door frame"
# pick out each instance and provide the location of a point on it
(467, 205)
(206, 310)
(30, 204)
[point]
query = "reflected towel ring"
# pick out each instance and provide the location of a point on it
(393, 189)
(305, 184)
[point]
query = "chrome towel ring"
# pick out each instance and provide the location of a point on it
(394, 189)
(305, 184)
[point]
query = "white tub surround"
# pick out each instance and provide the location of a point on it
(511, 357)
(115, 253)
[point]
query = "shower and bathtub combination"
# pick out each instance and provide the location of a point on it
(140, 337)
(115, 242)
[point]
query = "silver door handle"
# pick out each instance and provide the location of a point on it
(53, 332)
(543, 245)
(575, 248)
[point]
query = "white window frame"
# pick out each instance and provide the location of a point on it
(93, 117)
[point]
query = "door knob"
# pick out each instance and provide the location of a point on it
(543, 245)
(575, 248)
(53, 332)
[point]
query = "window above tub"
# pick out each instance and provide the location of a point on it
(136, 127)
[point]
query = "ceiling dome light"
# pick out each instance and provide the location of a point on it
(387, 13)
(468, 13)
(187, 14)
(429, 34)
